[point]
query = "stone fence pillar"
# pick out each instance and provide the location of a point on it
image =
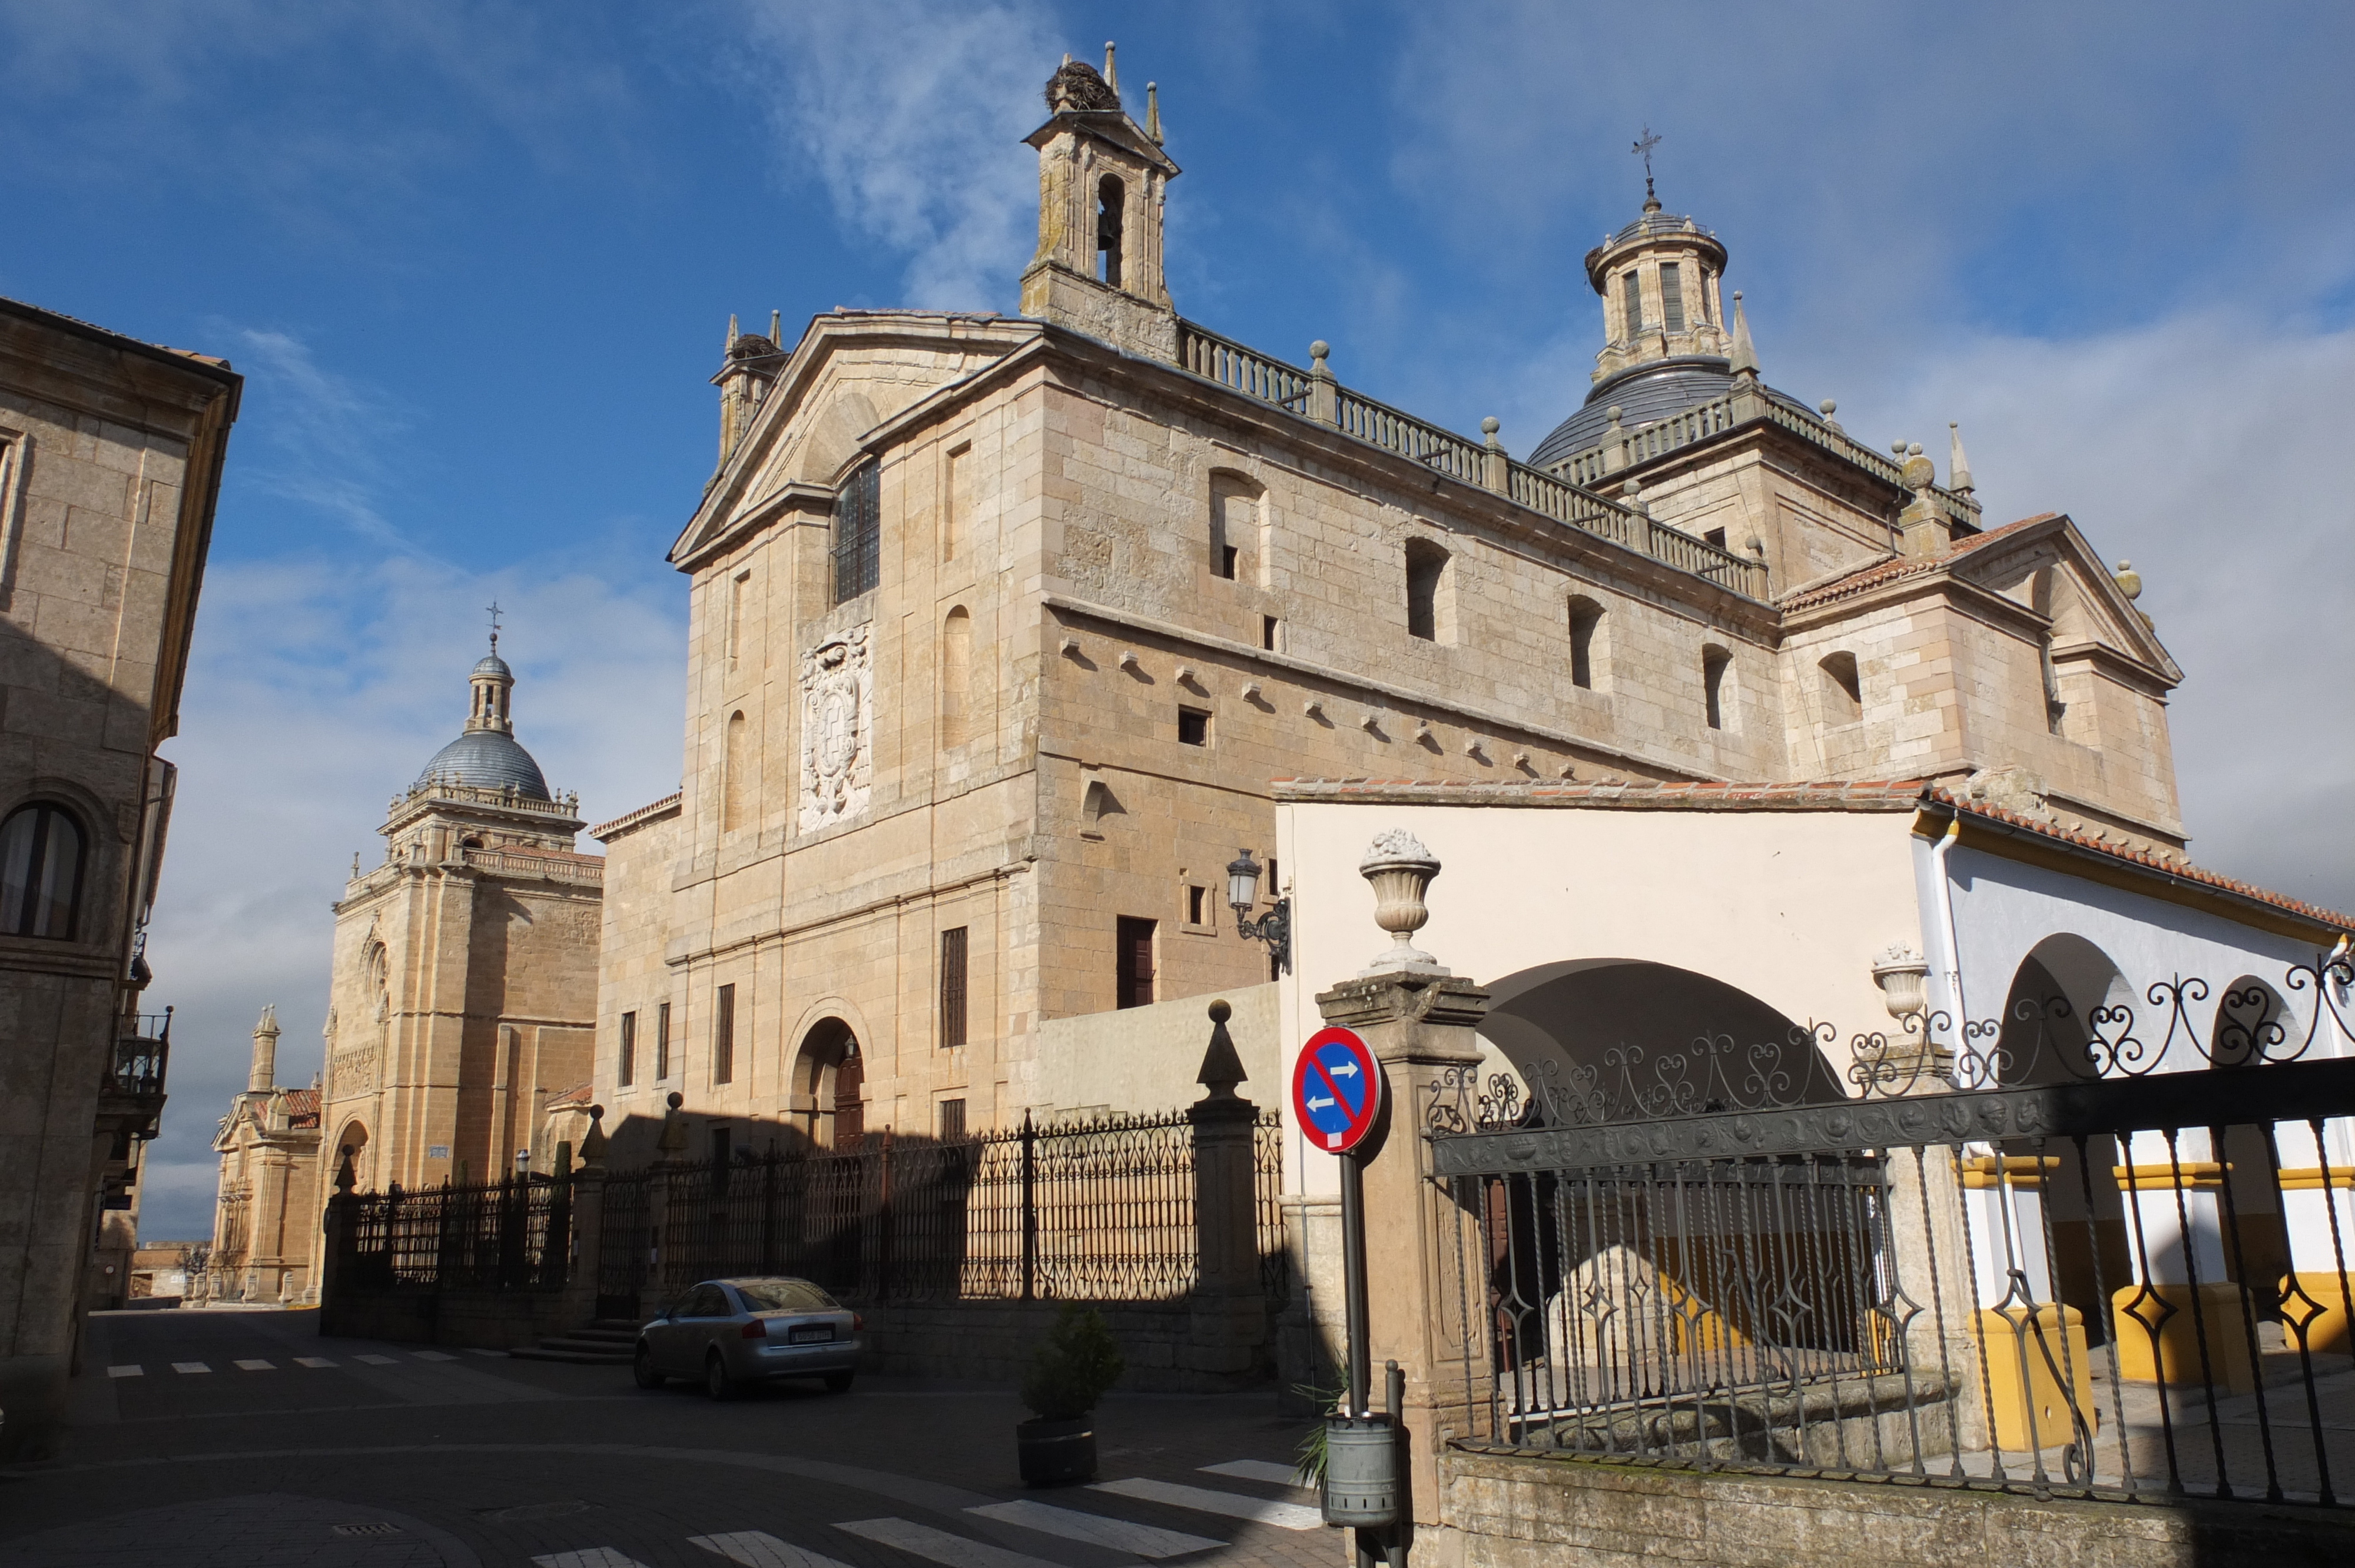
(1228, 1310)
(588, 1217)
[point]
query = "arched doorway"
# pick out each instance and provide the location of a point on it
(351, 1145)
(828, 1080)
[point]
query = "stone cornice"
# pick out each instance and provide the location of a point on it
(1402, 699)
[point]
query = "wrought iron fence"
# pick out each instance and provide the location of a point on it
(1100, 1210)
(511, 1234)
(2114, 1265)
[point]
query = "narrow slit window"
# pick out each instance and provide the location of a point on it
(1112, 198)
(1714, 662)
(1672, 297)
(627, 1070)
(1585, 630)
(1631, 296)
(952, 987)
(1267, 633)
(662, 1041)
(1197, 904)
(1426, 570)
(723, 1036)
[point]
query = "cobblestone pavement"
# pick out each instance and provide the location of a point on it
(218, 1437)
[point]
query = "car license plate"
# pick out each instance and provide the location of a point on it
(805, 1333)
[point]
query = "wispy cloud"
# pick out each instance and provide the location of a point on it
(321, 435)
(905, 111)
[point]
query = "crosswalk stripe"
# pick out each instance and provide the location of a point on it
(1072, 1524)
(1256, 1470)
(129, 1370)
(313, 1362)
(759, 1549)
(1234, 1505)
(256, 1365)
(442, 1356)
(954, 1550)
(377, 1361)
(190, 1367)
(589, 1557)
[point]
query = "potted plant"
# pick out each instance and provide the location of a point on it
(1073, 1367)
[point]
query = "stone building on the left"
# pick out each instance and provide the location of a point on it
(110, 455)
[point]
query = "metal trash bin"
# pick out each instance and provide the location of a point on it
(1361, 1472)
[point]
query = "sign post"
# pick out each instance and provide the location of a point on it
(1336, 1097)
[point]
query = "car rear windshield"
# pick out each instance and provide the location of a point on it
(784, 1296)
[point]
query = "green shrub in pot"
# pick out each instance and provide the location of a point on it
(1074, 1366)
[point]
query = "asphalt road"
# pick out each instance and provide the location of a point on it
(203, 1438)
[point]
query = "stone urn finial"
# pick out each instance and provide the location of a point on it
(1902, 975)
(1400, 870)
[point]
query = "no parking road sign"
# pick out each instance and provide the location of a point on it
(1337, 1090)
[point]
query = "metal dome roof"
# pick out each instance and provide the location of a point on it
(1643, 393)
(493, 665)
(485, 759)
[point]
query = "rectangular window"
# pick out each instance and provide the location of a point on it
(1672, 297)
(1193, 727)
(1267, 629)
(1197, 900)
(723, 1037)
(738, 588)
(952, 1118)
(662, 1041)
(1631, 296)
(1714, 536)
(953, 986)
(858, 533)
(628, 1074)
(1134, 961)
(1226, 566)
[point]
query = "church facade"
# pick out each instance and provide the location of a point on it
(266, 1234)
(1001, 628)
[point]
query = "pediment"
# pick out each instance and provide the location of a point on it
(847, 376)
(2047, 567)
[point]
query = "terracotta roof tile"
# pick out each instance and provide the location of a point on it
(579, 1093)
(302, 1108)
(1898, 567)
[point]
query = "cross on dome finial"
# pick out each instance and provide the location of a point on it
(495, 625)
(1643, 149)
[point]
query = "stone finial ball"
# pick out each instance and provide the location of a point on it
(676, 1099)
(1491, 425)
(1829, 408)
(1319, 349)
(596, 1113)
(1613, 413)
(1220, 1011)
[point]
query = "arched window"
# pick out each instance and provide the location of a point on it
(1426, 572)
(1843, 691)
(1112, 198)
(736, 782)
(957, 677)
(1715, 664)
(1586, 645)
(857, 530)
(41, 852)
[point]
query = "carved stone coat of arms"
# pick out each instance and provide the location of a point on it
(837, 729)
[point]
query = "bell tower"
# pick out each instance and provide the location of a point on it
(1103, 182)
(1658, 279)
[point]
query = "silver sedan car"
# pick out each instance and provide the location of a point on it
(729, 1334)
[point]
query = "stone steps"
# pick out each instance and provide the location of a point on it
(606, 1342)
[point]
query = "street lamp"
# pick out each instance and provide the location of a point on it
(1274, 928)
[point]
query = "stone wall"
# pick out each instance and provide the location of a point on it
(1522, 1512)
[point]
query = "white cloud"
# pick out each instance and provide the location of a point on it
(907, 111)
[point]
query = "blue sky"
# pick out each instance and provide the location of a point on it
(476, 261)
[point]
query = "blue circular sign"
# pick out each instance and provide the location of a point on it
(1337, 1090)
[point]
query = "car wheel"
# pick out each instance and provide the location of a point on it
(716, 1380)
(641, 1367)
(838, 1383)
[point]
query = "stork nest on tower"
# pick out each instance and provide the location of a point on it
(1077, 85)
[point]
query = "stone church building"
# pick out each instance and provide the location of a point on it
(1002, 626)
(465, 965)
